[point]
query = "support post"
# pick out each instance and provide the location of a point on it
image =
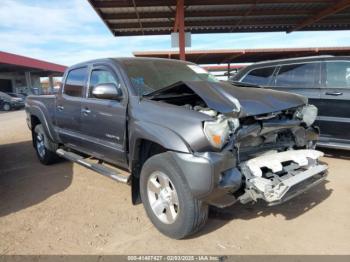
(28, 78)
(180, 13)
(228, 71)
(51, 83)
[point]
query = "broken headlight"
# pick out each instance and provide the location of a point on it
(218, 131)
(307, 114)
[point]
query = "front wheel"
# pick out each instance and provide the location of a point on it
(44, 147)
(6, 107)
(168, 200)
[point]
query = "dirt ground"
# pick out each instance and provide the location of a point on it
(66, 209)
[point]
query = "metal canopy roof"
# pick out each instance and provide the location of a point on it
(245, 55)
(156, 17)
(16, 63)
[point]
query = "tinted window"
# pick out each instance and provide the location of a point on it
(298, 75)
(261, 76)
(337, 74)
(75, 82)
(102, 76)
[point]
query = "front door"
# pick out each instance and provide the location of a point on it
(335, 101)
(68, 107)
(103, 120)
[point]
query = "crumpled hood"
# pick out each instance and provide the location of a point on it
(222, 97)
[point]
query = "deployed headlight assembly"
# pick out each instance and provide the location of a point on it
(219, 131)
(307, 114)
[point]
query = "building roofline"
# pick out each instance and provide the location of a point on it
(23, 61)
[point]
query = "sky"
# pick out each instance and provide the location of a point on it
(69, 32)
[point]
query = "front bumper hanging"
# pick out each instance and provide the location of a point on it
(278, 177)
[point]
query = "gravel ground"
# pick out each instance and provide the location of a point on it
(66, 209)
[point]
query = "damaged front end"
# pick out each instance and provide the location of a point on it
(278, 177)
(269, 134)
(276, 156)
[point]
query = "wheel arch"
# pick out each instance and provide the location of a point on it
(38, 116)
(145, 149)
(145, 140)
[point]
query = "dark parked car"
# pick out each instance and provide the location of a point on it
(18, 95)
(187, 139)
(325, 80)
(10, 101)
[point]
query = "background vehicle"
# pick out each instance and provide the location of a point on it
(18, 95)
(325, 80)
(11, 101)
(187, 139)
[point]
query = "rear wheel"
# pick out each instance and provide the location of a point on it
(168, 200)
(6, 107)
(44, 147)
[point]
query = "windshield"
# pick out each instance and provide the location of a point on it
(147, 76)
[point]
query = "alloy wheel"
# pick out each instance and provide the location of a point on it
(40, 145)
(162, 197)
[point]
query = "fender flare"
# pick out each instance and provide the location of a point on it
(38, 112)
(157, 134)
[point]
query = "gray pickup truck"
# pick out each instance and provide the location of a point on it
(187, 139)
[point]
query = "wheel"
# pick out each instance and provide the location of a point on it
(44, 147)
(168, 200)
(6, 107)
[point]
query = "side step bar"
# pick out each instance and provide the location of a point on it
(99, 168)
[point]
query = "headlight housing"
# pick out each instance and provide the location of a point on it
(218, 132)
(307, 114)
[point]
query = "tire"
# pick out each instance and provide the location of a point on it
(6, 107)
(165, 194)
(44, 147)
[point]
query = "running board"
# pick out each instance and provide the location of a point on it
(99, 168)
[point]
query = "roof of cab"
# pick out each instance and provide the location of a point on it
(123, 59)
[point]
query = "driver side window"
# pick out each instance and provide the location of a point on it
(102, 76)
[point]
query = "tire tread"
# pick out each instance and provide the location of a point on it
(197, 211)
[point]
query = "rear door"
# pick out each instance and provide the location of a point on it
(103, 120)
(68, 106)
(335, 101)
(300, 78)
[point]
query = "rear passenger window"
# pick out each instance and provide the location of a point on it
(338, 74)
(75, 82)
(261, 76)
(298, 75)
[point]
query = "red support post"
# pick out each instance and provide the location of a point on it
(181, 26)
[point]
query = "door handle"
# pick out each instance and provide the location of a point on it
(334, 93)
(86, 111)
(60, 108)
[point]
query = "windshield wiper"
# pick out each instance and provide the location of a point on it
(236, 83)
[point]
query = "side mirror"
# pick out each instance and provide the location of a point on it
(107, 91)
